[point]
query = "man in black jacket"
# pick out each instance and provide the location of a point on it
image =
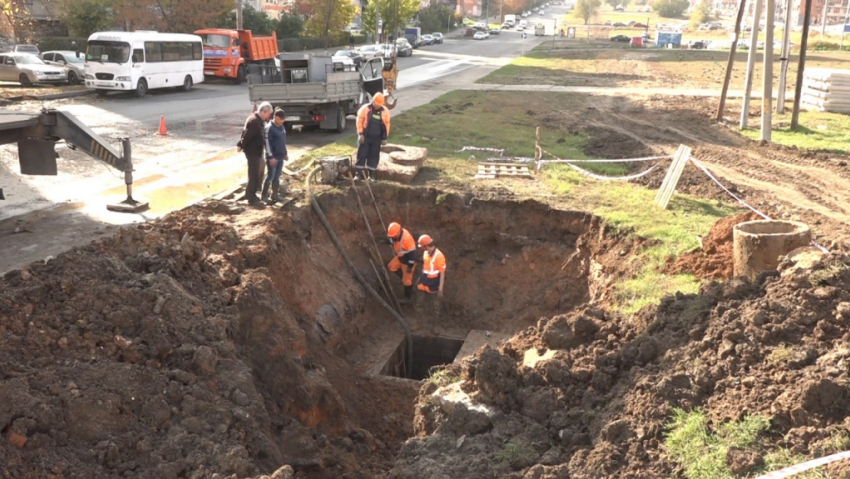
(253, 144)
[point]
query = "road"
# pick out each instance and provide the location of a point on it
(197, 158)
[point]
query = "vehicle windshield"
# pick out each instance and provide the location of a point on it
(215, 41)
(73, 58)
(27, 49)
(28, 60)
(341, 53)
(108, 52)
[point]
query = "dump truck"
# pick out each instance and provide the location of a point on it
(313, 90)
(229, 53)
(37, 134)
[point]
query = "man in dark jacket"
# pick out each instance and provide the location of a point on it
(253, 145)
(276, 155)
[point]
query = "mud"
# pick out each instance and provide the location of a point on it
(229, 342)
(714, 259)
(598, 402)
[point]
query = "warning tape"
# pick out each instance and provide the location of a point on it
(500, 151)
(612, 178)
(794, 470)
(514, 159)
(733, 195)
(620, 160)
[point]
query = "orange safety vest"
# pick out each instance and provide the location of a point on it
(432, 267)
(363, 118)
(406, 246)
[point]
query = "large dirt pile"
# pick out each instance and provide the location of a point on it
(590, 394)
(715, 259)
(186, 349)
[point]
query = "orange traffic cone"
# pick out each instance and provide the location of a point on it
(163, 130)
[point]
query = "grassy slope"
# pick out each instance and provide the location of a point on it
(508, 120)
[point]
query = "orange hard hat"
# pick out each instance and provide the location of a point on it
(378, 99)
(425, 240)
(393, 230)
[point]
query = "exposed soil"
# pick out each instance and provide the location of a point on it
(230, 342)
(715, 259)
(596, 401)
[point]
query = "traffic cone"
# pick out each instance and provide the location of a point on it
(163, 130)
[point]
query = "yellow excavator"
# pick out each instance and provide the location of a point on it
(380, 74)
(390, 74)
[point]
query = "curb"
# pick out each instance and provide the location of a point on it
(52, 96)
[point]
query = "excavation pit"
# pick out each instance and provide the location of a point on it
(428, 352)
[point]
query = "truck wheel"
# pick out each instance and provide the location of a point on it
(340, 119)
(240, 76)
(187, 83)
(142, 88)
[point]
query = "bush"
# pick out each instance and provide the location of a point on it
(61, 43)
(312, 43)
(670, 8)
(826, 46)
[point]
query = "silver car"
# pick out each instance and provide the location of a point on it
(27, 69)
(68, 61)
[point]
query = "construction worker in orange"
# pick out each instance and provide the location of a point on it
(373, 129)
(405, 256)
(433, 267)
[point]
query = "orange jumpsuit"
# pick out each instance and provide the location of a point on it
(433, 267)
(405, 257)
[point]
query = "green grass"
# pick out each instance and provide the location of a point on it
(702, 452)
(819, 131)
(444, 377)
(517, 452)
(508, 120)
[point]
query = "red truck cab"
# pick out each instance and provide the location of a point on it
(227, 53)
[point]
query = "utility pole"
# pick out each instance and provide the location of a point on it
(786, 52)
(801, 67)
(823, 17)
(767, 95)
(751, 62)
(844, 26)
(239, 14)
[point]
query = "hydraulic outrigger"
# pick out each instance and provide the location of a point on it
(37, 134)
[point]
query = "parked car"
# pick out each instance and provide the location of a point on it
(619, 24)
(621, 38)
(639, 25)
(354, 55)
(369, 52)
(495, 30)
(506, 26)
(405, 49)
(697, 44)
(438, 37)
(31, 49)
(388, 50)
(607, 23)
(27, 69)
(68, 61)
(481, 36)
(619, 8)
(427, 39)
(542, 13)
(520, 28)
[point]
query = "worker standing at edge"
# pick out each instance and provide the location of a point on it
(373, 129)
(405, 256)
(433, 267)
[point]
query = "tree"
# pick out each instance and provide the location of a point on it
(258, 21)
(87, 16)
(587, 9)
(701, 14)
(289, 26)
(435, 18)
(189, 15)
(612, 3)
(670, 8)
(394, 13)
(328, 17)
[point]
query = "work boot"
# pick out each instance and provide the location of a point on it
(360, 175)
(408, 290)
(372, 175)
(275, 190)
(265, 196)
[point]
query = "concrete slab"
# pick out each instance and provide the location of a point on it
(400, 163)
(478, 338)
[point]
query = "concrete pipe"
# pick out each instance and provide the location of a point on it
(759, 244)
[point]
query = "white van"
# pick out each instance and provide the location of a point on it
(142, 60)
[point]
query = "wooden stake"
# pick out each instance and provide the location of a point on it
(721, 108)
(801, 67)
(751, 63)
(537, 153)
(767, 94)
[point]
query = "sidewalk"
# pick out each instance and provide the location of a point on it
(607, 90)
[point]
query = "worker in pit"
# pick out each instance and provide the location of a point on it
(405, 257)
(433, 267)
(373, 129)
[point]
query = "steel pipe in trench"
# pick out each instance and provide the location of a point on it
(408, 336)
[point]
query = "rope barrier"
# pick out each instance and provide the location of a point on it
(794, 470)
